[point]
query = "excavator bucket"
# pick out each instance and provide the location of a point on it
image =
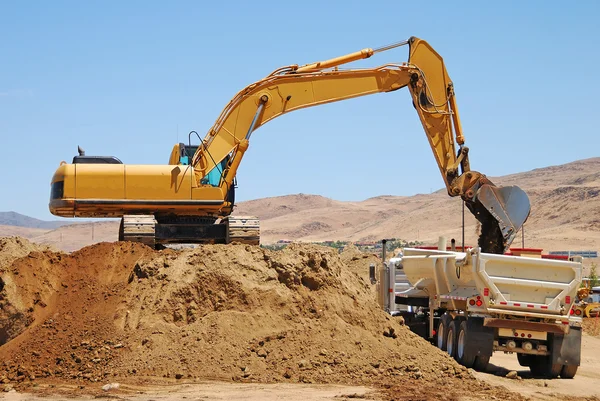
(509, 206)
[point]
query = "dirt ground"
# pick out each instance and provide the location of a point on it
(584, 386)
(215, 322)
(202, 391)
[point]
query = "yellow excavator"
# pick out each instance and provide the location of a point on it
(190, 200)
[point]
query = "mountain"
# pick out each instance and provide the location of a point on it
(565, 215)
(20, 220)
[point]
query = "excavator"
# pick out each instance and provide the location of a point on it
(191, 199)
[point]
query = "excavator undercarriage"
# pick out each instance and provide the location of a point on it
(154, 232)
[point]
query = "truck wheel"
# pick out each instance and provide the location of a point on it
(552, 370)
(543, 366)
(442, 331)
(525, 359)
(568, 371)
(451, 338)
(481, 362)
(465, 354)
(535, 365)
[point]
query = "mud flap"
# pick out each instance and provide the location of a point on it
(566, 349)
(508, 205)
(481, 338)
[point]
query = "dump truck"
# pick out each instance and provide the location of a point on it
(471, 304)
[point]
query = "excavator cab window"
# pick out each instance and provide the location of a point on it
(214, 176)
(187, 152)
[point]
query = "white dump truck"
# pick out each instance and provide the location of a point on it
(471, 304)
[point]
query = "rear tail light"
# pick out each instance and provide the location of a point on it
(486, 292)
(479, 303)
(572, 312)
(577, 312)
(471, 302)
(568, 299)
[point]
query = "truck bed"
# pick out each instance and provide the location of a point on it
(513, 285)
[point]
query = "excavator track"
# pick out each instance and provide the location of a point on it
(138, 228)
(243, 229)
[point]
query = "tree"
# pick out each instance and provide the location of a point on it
(593, 276)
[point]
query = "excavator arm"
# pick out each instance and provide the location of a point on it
(501, 211)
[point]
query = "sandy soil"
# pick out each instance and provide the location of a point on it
(584, 386)
(236, 314)
(208, 391)
(228, 322)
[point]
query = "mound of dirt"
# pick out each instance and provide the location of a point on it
(228, 312)
(12, 248)
(20, 288)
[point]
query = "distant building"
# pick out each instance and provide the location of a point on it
(585, 254)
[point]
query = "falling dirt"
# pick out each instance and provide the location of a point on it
(491, 239)
(122, 312)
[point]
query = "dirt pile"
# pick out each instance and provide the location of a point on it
(12, 248)
(232, 312)
(20, 289)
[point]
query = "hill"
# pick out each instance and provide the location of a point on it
(20, 220)
(565, 215)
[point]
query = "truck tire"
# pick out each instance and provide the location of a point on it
(442, 331)
(451, 338)
(568, 371)
(525, 359)
(543, 366)
(465, 352)
(552, 371)
(535, 366)
(481, 362)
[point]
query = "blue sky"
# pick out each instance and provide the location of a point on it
(131, 79)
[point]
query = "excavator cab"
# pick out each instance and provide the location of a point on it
(182, 154)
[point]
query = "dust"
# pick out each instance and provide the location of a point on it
(305, 314)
